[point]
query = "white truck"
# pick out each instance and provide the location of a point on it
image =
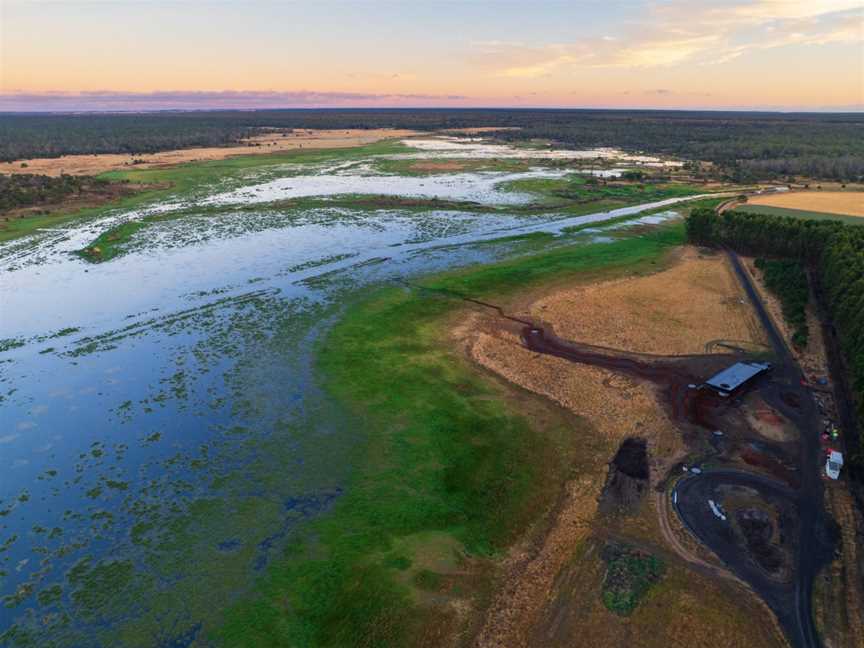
(833, 464)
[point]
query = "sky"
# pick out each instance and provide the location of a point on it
(191, 54)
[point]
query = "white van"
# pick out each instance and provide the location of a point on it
(834, 464)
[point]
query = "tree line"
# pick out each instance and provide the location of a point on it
(742, 145)
(833, 251)
(27, 189)
(787, 279)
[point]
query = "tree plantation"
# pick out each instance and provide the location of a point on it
(834, 253)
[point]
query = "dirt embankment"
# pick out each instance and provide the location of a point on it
(551, 592)
(260, 144)
(832, 202)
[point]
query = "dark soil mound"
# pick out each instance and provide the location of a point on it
(632, 458)
(758, 530)
(627, 480)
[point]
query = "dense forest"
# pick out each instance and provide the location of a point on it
(834, 252)
(744, 145)
(27, 190)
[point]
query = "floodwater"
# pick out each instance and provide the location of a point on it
(163, 431)
(475, 148)
(475, 187)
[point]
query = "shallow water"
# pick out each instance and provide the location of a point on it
(471, 148)
(162, 424)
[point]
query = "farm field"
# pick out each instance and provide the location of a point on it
(770, 210)
(848, 203)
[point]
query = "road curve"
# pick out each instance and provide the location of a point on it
(792, 603)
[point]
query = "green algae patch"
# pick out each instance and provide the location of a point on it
(450, 467)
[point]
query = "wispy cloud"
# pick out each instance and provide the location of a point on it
(680, 31)
(107, 100)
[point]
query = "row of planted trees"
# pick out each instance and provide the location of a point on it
(834, 252)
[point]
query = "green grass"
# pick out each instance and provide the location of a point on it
(185, 177)
(443, 453)
(578, 188)
(629, 576)
(20, 227)
(587, 200)
(502, 278)
(179, 180)
(800, 213)
(108, 244)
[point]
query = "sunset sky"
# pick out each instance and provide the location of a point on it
(148, 54)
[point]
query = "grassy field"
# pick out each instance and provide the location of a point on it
(449, 470)
(571, 195)
(844, 202)
(182, 179)
(578, 188)
(799, 213)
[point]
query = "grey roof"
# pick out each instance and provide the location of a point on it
(733, 377)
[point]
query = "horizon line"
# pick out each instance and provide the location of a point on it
(836, 110)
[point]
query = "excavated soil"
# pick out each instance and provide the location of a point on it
(627, 480)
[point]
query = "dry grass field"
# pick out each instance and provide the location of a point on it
(830, 202)
(258, 145)
(677, 311)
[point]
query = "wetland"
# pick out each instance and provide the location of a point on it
(231, 410)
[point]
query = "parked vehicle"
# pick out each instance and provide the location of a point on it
(833, 464)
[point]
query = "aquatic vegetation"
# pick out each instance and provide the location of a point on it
(220, 447)
(442, 450)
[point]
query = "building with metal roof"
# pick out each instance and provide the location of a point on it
(733, 378)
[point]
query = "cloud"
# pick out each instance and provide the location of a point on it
(679, 32)
(108, 100)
